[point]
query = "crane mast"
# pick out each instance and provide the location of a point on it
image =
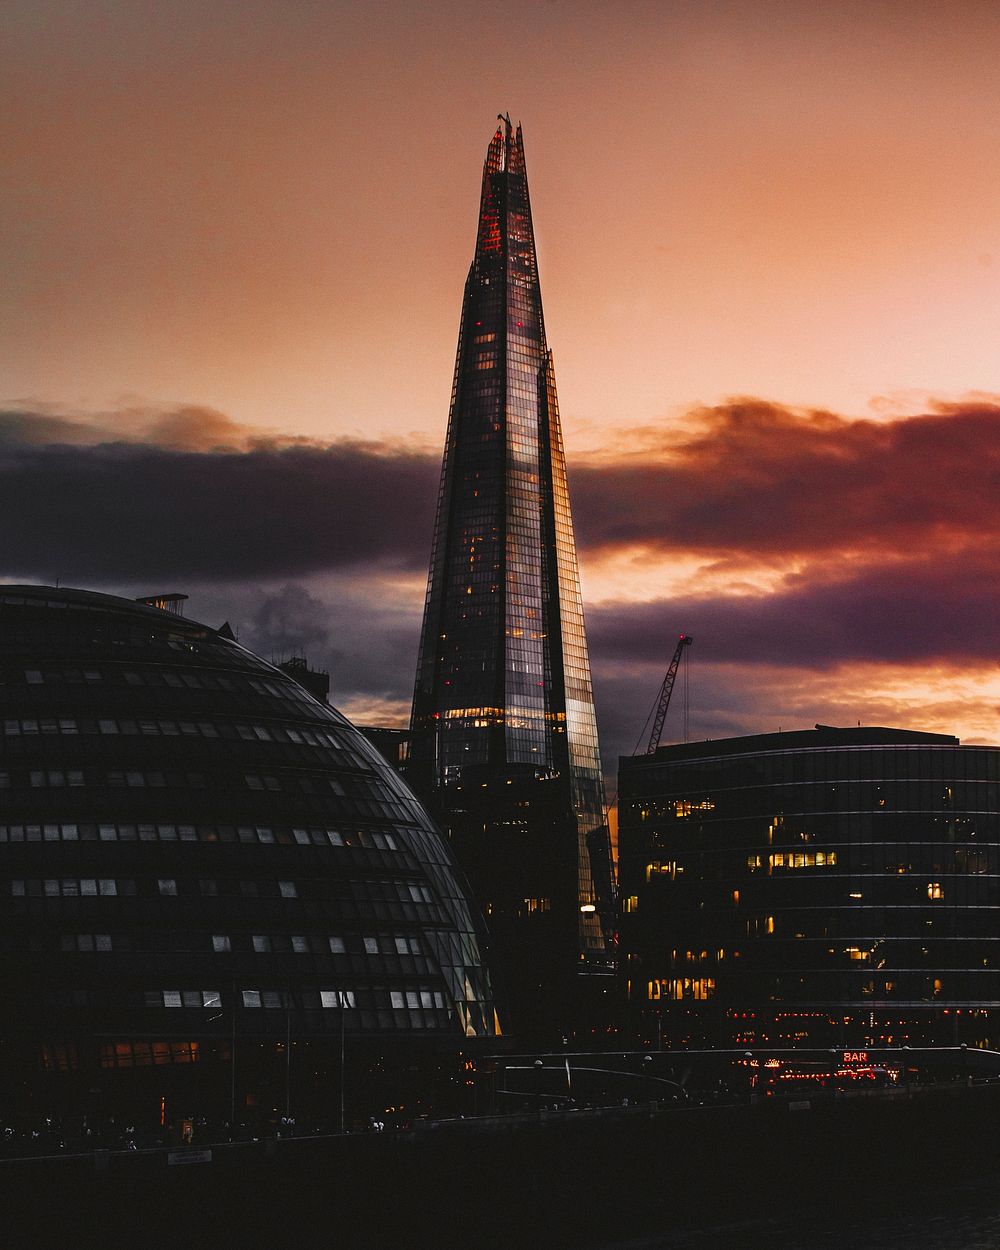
(666, 690)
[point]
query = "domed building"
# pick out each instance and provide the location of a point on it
(200, 862)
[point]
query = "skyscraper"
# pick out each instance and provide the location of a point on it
(504, 737)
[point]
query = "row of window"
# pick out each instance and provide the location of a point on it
(148, 727)
(347, 787)
(374, 839)
(383, 944)
(83, 887)
(282, 944)
(157, 678)
(80, 887)
(147, 1054)
(793, 859)
(416, 999)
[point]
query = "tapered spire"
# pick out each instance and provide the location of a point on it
(504, 737)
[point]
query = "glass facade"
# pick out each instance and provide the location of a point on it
(192, 847)
(504, 736)
(830, 886)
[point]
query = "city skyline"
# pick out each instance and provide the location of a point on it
(780, 205)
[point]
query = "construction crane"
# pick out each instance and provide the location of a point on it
(666, 690)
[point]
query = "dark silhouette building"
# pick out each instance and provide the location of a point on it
(196, 856)
(503, 735)
(315, 681)
(816, 888)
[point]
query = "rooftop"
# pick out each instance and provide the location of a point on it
(822, 736)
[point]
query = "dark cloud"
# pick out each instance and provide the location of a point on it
(121, 511)
(366, 645)
(185, 427)
(289, 622)
(911, 611)
(894, 526)
(759, 480)
(188, 493)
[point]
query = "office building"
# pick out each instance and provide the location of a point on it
(503, 734)
(825, 887)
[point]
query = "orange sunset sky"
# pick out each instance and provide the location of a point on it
(234, 241)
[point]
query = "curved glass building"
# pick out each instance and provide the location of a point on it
(197, 859)
(830, 886)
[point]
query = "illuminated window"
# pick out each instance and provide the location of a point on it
(631, 903)
(679, 989)
(687, 807)
(802, 859)
(533, 905)
(934, 890)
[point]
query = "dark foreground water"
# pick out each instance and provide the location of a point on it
(966, 1218)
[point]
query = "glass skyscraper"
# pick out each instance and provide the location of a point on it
(504, 737)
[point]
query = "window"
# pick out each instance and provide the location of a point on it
(221, 943)
(261, 943)
(287, 889)
(167, 885)
(680, 988)
(336, 943)
(336, 998)
(300, 945)
(371, 946)
(85, 942)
